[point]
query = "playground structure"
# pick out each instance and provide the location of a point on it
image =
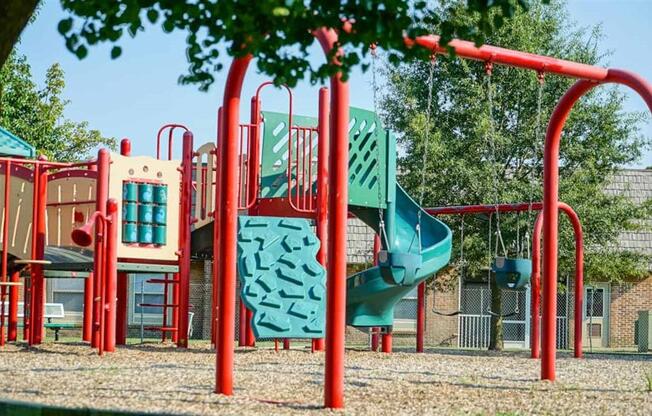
(101, 220)
(280, 170)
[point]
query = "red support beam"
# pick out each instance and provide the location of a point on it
(485, 209)
(102, 196)
(387, 342)
(110, 275)
(216, 228)
(37, 307)
(551, 201)
(12, 333)
(375, 331)
(5, 249)
(87, 319)
(183, 289)
(323, 131)
(496, 55)
(421, 315)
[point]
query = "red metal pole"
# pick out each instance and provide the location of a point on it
(216, 227)
(387, 341)
(122, 326)
(579, 277)
(38, 307)
(29, 290)
(227, 208)
(12, 333)
(102, 196)
(535, 286)
(5, 247)
(485, 208)
(111, 276)
(375, 331)
(337, 227)
(184, 241)
(322, 186)
(250, 337)
(87, 320)
(122, 303)
(551, 201)
(286, 343)
(421, 315)
(242, 324)
(469, 50)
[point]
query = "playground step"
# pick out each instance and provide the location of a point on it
(161, 328)
(158, 305)
(163, 281)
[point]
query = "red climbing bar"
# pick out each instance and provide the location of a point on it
(494, 54)
(421, 315)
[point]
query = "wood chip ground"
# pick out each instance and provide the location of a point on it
(154, 378)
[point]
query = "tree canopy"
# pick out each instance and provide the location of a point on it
(476, 156)
(36, 114)
(276, 32)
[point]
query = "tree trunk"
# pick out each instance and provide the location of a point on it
(14, 15)
(496, 331)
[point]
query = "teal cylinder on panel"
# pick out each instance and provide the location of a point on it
(159, 234)
(129, 232)
(146, 213)
(160, 213)
(130, 211)
(145, 234)
(161, 194)
(146, 192)
(130, 191)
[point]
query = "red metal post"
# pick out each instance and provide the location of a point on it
(216, 227)
(375, 331)
(87, 319)
(250, 337)
(184, 240)
(123, 280)
(387, 341)
(227, 208)
(551, 201)
(242, 324)
(5, 249)
(37, 308)
(579, 277)
(12, 333)
(322, 186)
(535, 289)
(111, 275)
(286, 343)
(337, 227)
(421, 315)
(101, 196)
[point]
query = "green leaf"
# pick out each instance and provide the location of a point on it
(116, 51)
(64, 26)
(152, 15)
(81, 52)
(281, 11)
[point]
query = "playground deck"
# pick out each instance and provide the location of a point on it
(156, 378)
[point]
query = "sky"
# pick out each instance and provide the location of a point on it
(137, 93)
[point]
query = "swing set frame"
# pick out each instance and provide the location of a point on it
(227, 199)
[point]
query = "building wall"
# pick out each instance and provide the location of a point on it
(626, 300)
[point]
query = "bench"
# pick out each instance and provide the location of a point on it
(52, 311)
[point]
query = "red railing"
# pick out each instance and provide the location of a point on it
(301, 176)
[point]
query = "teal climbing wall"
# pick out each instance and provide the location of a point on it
(280, 278)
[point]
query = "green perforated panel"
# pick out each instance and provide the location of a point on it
(280, 279)
(275, 152)
(370, 157)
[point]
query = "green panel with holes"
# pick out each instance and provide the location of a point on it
(281, 281)
(274, 162)
(371, 149)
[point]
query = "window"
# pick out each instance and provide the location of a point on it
(144, 292)
(594, 302)
(69, 292)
